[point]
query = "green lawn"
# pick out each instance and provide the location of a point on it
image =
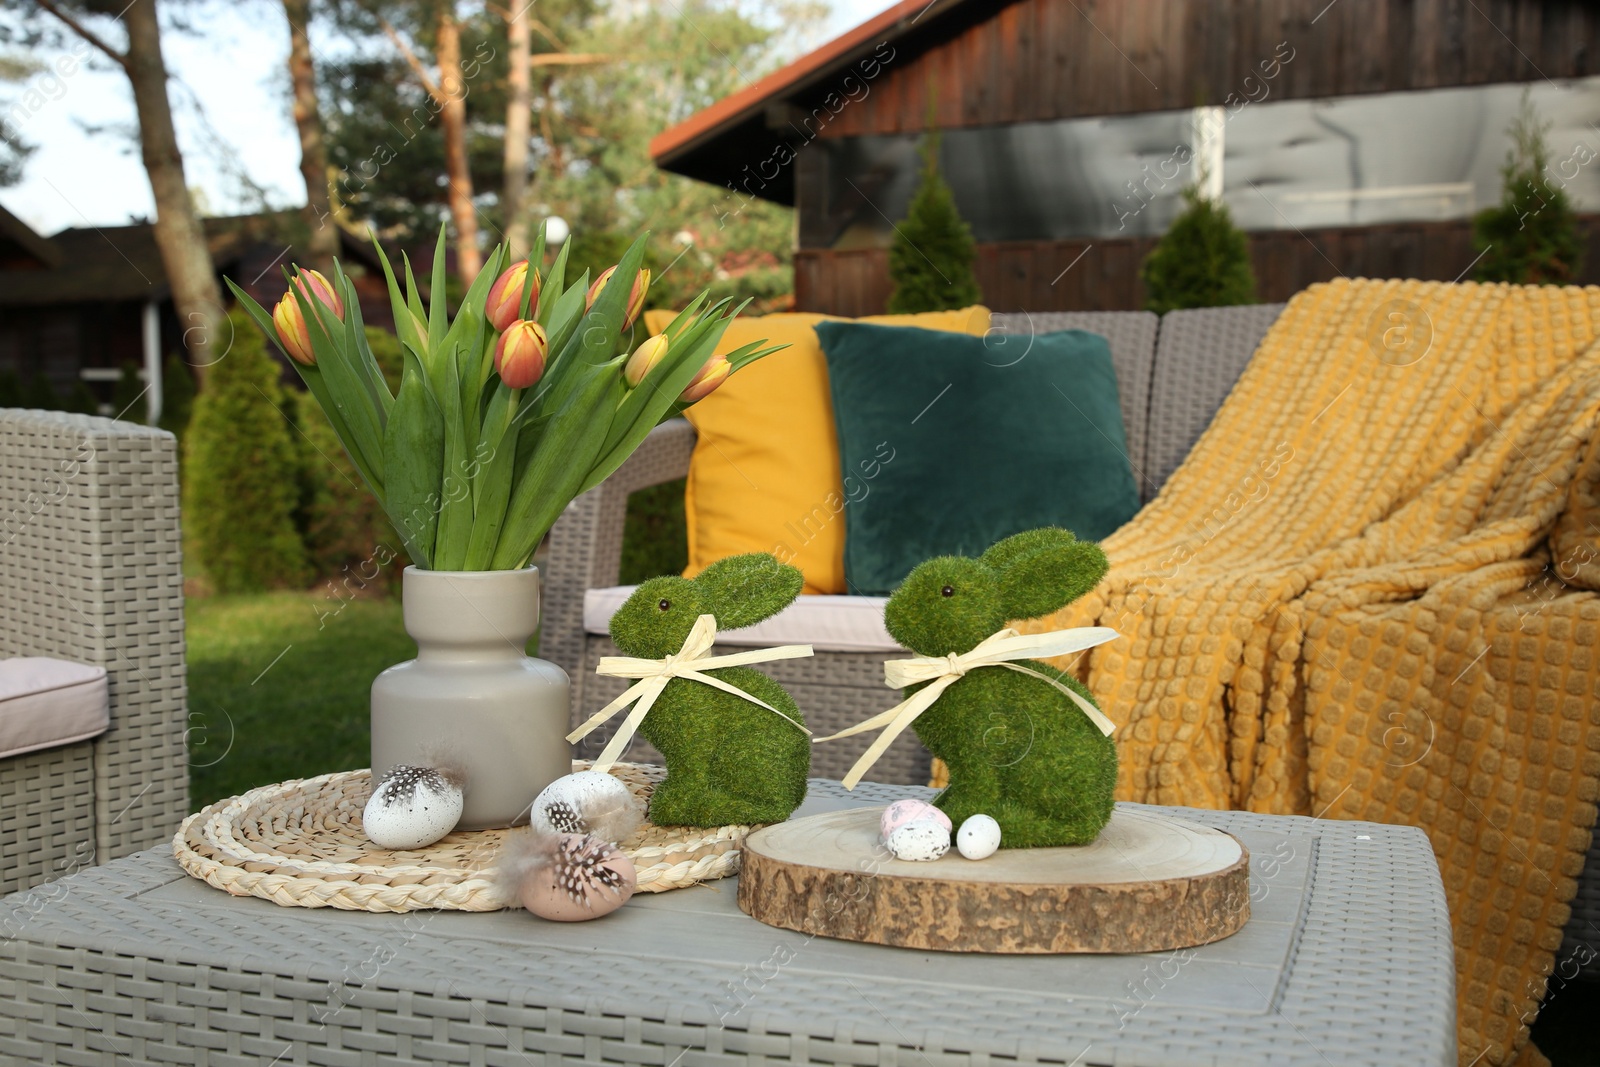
(277, 692)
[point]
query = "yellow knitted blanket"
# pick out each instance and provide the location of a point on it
(1364, 596)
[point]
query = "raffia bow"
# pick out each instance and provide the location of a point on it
(654, 674)
(997, 650)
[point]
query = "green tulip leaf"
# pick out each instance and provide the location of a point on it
(438, 301)
(413, 450)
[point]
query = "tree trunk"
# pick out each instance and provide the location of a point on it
(453, 123)
(519, 107)
(178, 233)
(323, 243)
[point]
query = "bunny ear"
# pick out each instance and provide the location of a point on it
(743, 590)
(1056, 572)
(1003, 553)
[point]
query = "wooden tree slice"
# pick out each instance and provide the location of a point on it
(1149, 883)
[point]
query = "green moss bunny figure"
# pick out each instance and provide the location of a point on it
(729, 761)
(1018, 749)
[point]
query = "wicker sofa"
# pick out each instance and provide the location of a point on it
(1172, 373)
(91, 570)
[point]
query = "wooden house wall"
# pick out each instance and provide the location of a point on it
(1040, 60)
(1103, 275)
(59, 340)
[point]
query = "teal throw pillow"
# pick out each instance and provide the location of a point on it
(951, 442)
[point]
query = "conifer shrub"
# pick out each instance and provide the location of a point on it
(128, 400)
(37, 392)
(241, 478)
(655, 534)
(348, 539)
(387, 351)
(931, 257)
(1202, 261)
(177, 397)
(1531, 237)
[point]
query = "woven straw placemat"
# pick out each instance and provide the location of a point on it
(300, 844)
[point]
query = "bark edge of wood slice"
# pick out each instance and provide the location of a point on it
(1149, 883)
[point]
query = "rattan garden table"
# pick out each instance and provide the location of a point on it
(1346, 960)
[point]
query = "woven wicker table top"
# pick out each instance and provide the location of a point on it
(1347, 960)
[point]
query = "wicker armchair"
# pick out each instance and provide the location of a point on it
(91, 570)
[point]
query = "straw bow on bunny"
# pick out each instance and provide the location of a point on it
(735, 743)
(1025, 743)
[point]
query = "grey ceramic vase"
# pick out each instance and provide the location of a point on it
(472, 696)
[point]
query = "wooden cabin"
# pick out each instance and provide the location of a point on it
(1356, 138)
(82, 304)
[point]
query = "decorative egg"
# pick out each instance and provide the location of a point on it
(413, 807)
(901, 812)
(919, 840)
(587, 802)
(576, 877)
(978, 838)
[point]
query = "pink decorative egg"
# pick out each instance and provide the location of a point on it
(901, 812)
(585, 878)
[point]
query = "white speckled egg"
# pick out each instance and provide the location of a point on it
(412, 808)
(978, 838)
(587, 802)
(919, 840)
(901, 812)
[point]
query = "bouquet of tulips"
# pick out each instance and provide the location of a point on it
(524, 400)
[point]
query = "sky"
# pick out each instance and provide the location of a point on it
(86, 171)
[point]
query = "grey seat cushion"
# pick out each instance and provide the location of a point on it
(1201, 353)
(1132, 336)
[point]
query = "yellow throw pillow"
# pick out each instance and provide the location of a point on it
(765, 473)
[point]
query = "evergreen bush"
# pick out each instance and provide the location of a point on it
(37, 392)
(655, 535)
(10, 389)
(128, 401)
(177, 397)
(241, 478)
(80, 399)
(931, 257)
(596, 250)
(1531, 237)
(1202, 261)
(347, 536)
(387, 351)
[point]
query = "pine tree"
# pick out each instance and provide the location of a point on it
(1531, 237)
(1202, 261)
(930, 260)
(241, 484)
